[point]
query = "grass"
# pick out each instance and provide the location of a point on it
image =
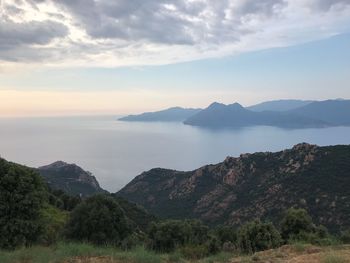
(67, 252)
(333, 257)
(300, 246)
(54, 254)
(219, 258)
(64, 252)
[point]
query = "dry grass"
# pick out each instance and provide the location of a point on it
(83, 253)
(300, 254)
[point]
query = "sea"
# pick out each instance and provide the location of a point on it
(115, 151)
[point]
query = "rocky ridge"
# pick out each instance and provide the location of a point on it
(259, 185)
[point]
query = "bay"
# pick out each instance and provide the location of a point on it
(115, 152)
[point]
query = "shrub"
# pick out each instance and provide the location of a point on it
(213, 245)
(22, 195)
(226, 234)
(295, 224)
(257, 236)
(345, 237)
(53, 222)
(99, 220)
(132, 241)
(168, 235)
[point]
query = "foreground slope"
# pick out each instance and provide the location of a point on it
(253, 185)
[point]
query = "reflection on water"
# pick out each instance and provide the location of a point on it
(115, 152)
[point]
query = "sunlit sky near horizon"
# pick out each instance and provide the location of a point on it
(72, 57)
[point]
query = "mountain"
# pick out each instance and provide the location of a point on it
(171, 114)
(219, 115)
(279, 105)
(335, 112)
(70, 178)
(259, 185)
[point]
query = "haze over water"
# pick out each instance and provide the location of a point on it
(115, 152)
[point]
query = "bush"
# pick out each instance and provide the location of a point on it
(132, 241)
(226, 234)
(256, 236)
(295, 224)
(98, 220)
(345, 237)
(166, 236)
(22, 196)
(53, 222)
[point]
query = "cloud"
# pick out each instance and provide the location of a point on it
(140, 32)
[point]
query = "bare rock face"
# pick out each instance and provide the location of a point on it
(259, 185)
(70, 178)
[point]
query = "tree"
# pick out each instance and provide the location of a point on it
(99, 220)
(256, 236)
(22, 196)
(296, 223)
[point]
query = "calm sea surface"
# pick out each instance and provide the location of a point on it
(115, 152)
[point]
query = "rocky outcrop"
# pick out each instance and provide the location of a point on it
(259, 185)
(70, 178)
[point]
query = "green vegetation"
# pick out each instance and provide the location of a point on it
(296, 224)
(168, 235)
(257, 236)
(40, 225)
(99, 220)
(266, 184)
(334, 257)
(22, 197)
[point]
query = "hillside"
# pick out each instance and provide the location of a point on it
(334, 112)
(219, 115)
(172, 114)
(279, 105)
(70, 178)
(252, 185)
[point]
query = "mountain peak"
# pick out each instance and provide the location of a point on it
(216, 104)
(236, 105)
(56, 165)
(70, 178)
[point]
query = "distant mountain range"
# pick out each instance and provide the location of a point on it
(260, 185)
(172, 114)
(234, 115)
(279, 105)
(70, 178)
(281, 113)
(334, 112)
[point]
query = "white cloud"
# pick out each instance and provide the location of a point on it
(142, 32)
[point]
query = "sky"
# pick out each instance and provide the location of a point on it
(73, 57)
